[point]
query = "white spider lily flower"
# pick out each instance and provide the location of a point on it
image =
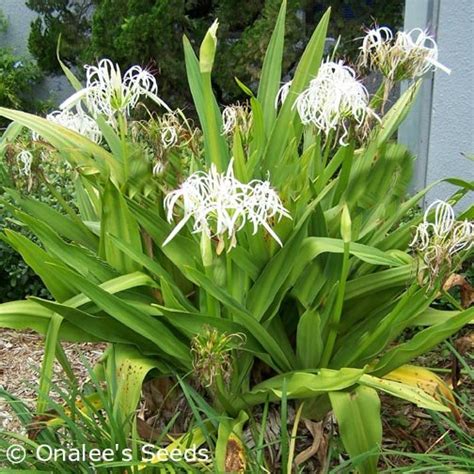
(405, 55)
(439, 241)
(236, 115)
(78, 122)
(282, 94)
(158, 168)
(262, 204)
(25, 159)
(421, 240)
(444, 218)
(108, 93)
(169, 136)
(333, 98)
(229, 120)
(376, 38)
(419, 46)
(462, 237)
(212, 199)
(220, 205)
(174, 129)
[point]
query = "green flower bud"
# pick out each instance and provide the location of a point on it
(208, 49)
(346, 224)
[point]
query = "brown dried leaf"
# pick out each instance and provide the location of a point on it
(234, 457)
(466, 290)
(317, 432)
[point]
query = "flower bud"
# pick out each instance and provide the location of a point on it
(346, 224)
(208, 49)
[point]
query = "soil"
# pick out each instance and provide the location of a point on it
(21, 354)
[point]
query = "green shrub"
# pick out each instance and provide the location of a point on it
(68, 19)
(17, 280)
(149, 33)
(18, 76)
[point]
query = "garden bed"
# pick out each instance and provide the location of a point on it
(408, 431)
(21, 354)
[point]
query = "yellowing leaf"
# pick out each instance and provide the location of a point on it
(404, 391)
(427, 381)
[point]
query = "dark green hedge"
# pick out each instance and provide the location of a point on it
(149, 32)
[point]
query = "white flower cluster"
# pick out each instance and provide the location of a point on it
(25, 159)
(220, 205)
(171, 129)
(78, 122)
(236, 115)
(405, 55)
(108, 93)
(440, 240)
(333, 98)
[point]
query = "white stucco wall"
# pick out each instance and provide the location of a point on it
(440, 130)
(452, 117)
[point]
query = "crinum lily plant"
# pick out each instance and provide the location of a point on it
(264, 256)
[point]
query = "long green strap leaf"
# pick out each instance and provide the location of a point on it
(115, 285)
(422, 342)
(300, 385)
(46, 374)
(131, 368)
(406, 392)
(307, 68)
(273, 276)
(181, 250)
(74, 230)
(156, 269)
(216, 150)
(312, 247)
(36, 257)
(368, 284)
(141, 323)
(102, 328)
(21, 315)
(309, 344)
(119, 221)
(360, 425)
(271, 71)
(75, 256)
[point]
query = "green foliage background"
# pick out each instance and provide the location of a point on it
(17, 279)
(17, 77)
(149, 32)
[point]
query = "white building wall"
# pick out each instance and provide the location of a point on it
(440, 130)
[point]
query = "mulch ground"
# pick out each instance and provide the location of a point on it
(406, 427)
(21, 354)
